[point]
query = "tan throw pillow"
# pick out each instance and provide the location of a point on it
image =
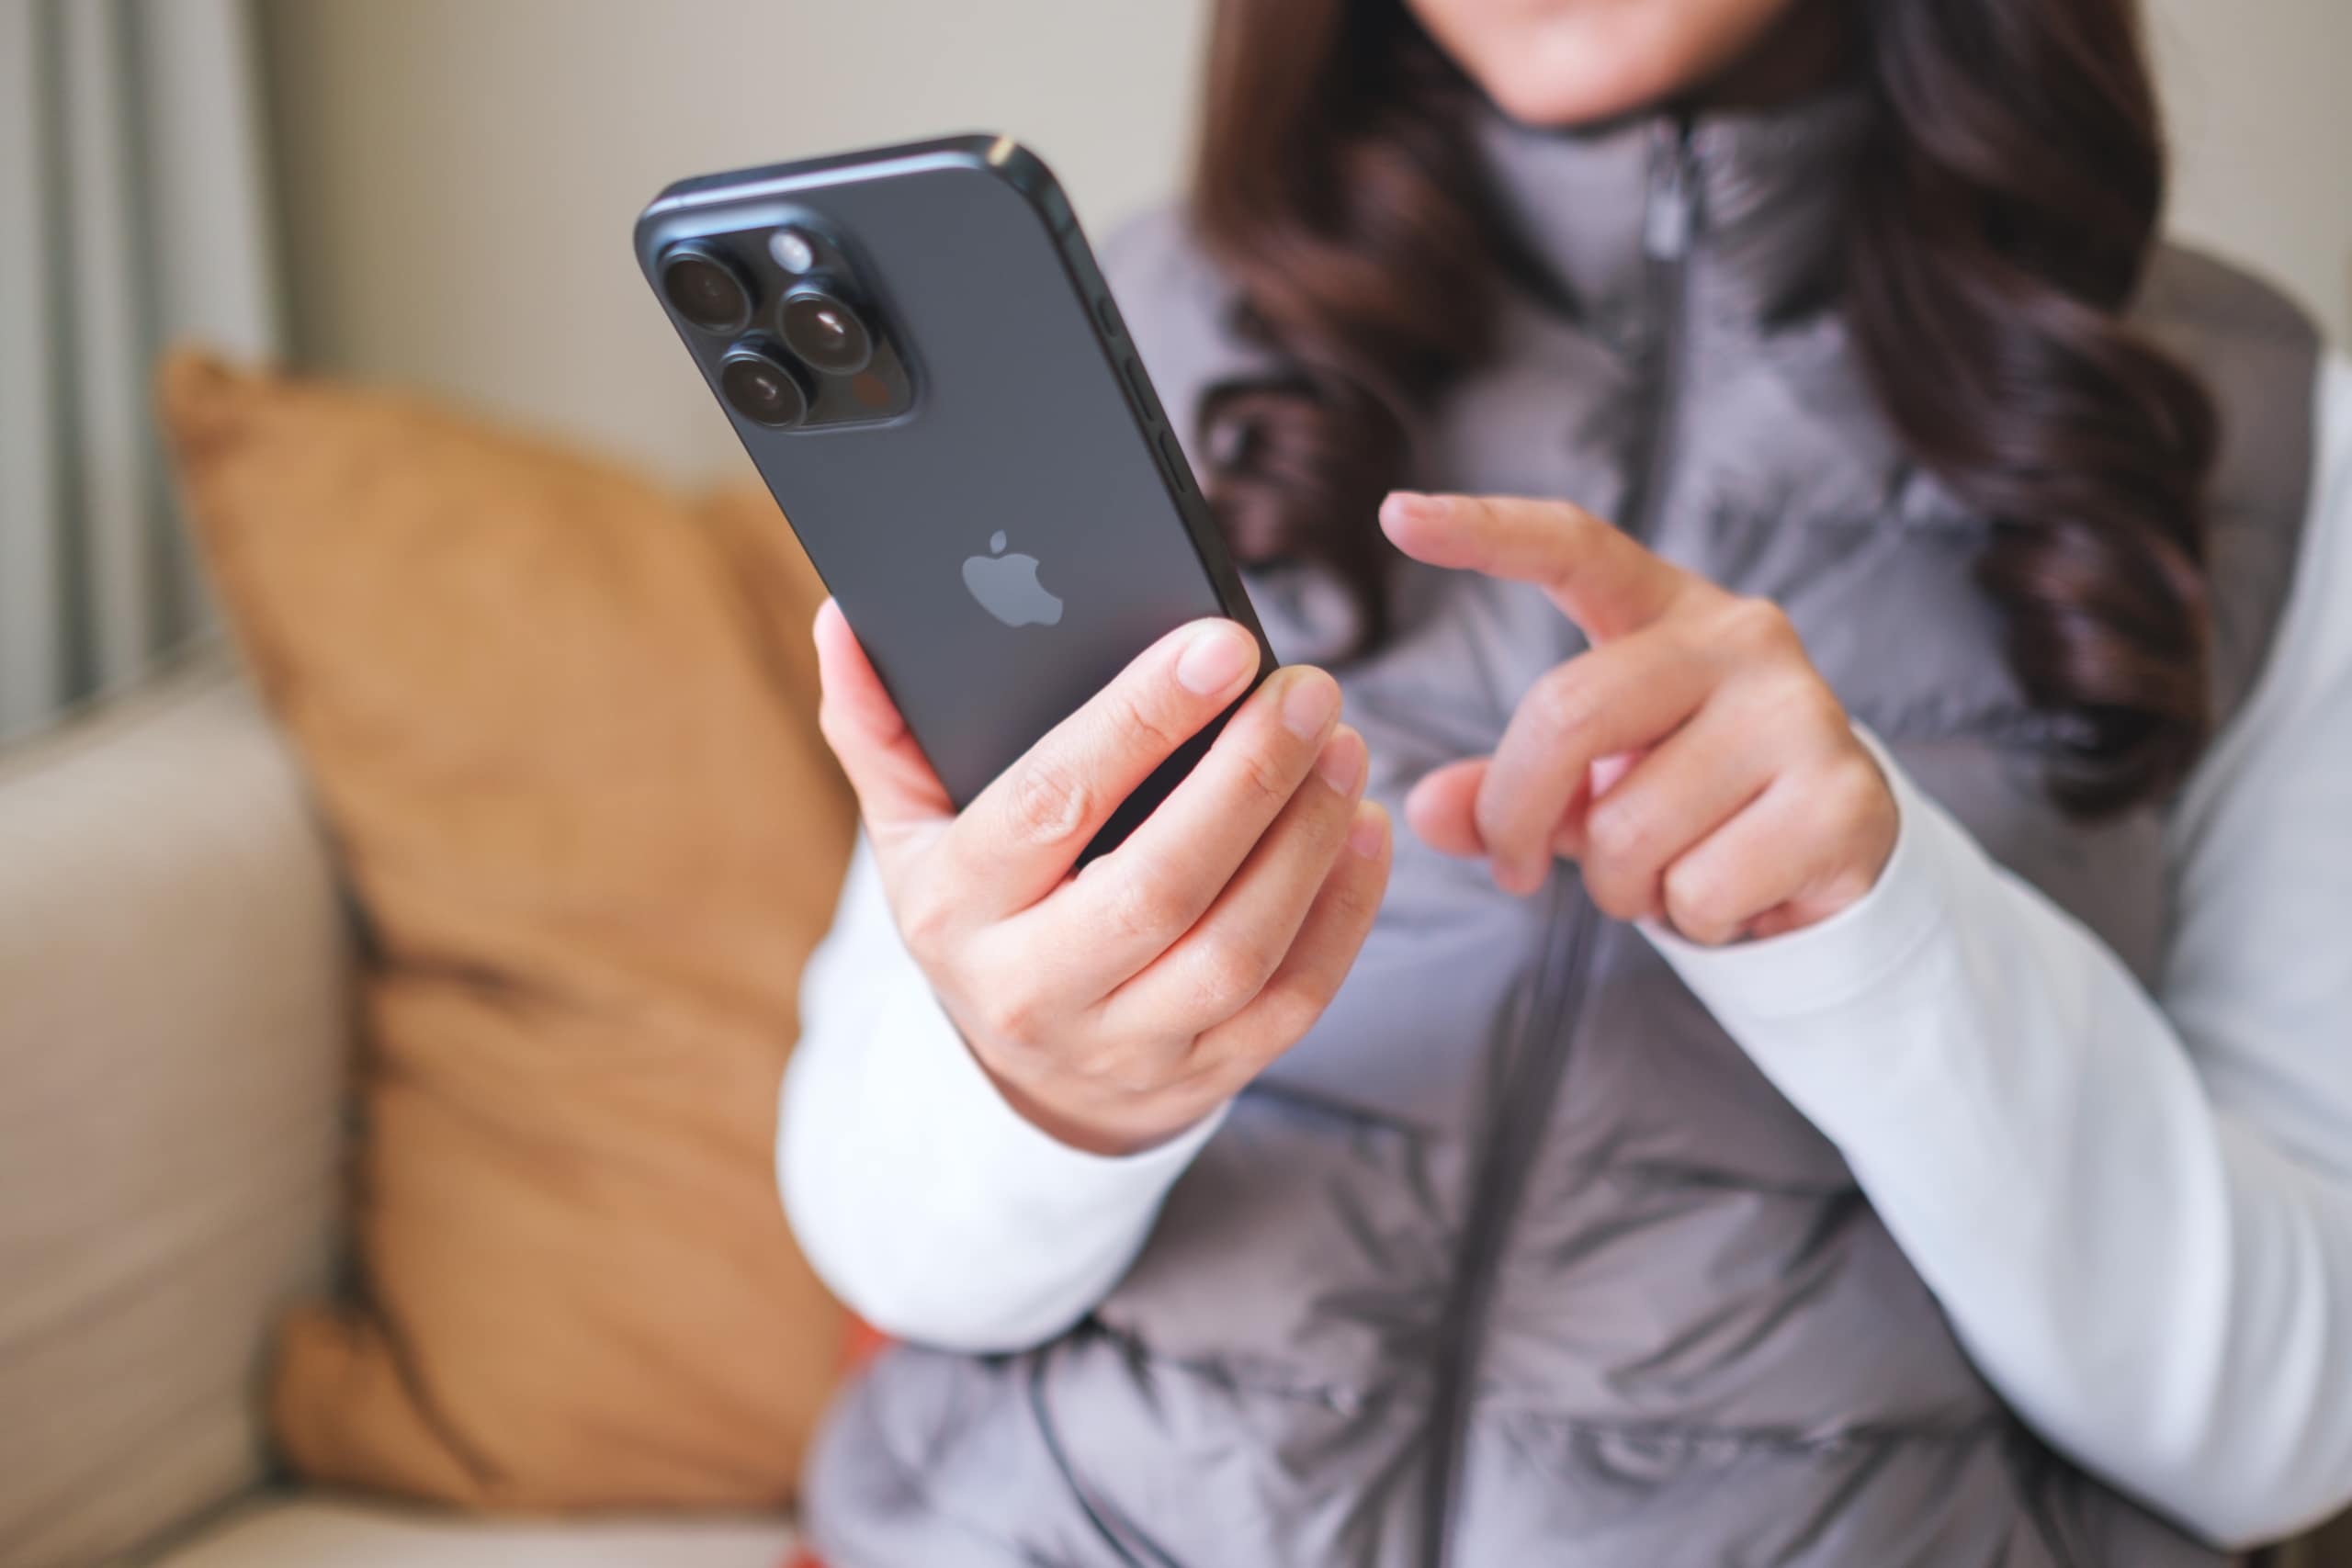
(561, 726)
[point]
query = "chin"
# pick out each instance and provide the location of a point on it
(1564, 101)
(1540, 89)
(1576, 63)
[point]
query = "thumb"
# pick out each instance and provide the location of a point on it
(1442, 808)
(898, 794)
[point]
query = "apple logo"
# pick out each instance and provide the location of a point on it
(1007, 587)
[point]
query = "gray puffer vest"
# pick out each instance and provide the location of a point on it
(1516, 1259)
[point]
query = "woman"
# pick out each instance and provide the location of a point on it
(1849, 1065)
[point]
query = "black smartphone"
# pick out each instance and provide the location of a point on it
(921, 356)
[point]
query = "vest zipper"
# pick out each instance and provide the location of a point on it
(1515, 1131)
(1666, 227)
(1532, 1081)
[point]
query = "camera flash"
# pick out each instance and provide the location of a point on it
(792, 250)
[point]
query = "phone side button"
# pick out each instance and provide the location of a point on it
(1056, 205)
(1172, 457)
(1141, 384)
(1109, 314)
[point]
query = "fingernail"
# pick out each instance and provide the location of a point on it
(1369, 833)
(1412, 506)
(1514, 876)
(1310, 704)
(1214, 660)
(1340, 763)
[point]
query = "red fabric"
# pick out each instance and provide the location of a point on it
(865, 1342)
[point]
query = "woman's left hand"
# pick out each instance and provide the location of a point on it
(1692, 761)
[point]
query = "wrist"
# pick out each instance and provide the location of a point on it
(1846, 953)
(1107, 1131)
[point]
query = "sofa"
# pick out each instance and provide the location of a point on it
(181, 987)
(175, 1031)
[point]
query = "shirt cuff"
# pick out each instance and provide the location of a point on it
(1869, 1023)
(1827, 965)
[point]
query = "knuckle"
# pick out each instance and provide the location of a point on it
(1583, 530)
(1757, 624)
(1355, 900)
(1050, 801)
(1798, 706)
(1225, 974)
(1346, 922)
(1621, 898)
(1851, 799)
(1142, 715)
(1564, 701)
(1619, 830)
(1850, 886)
(1700, 905)
(1264, 778)
(1821, 797)
(1149, 905)
(1283, 1019)
(1122, 1067)
(1491, 815)
(1825, 713)
(1852, 789)
(1194, 1084)
(1012, 1011)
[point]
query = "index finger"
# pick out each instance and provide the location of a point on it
(1599, 575)
(1020, 837)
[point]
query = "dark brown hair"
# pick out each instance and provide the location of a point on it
(2002, 217)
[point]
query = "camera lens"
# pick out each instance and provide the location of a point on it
(761, 387)
(704, 287)
(821, 329)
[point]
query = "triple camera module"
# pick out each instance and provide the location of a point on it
(801, 350)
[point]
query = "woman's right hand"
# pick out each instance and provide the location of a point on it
(1115, 1008)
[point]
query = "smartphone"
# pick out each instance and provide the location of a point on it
(926, 366)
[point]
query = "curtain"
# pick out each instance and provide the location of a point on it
(133, 211)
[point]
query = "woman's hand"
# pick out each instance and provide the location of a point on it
(1694, 762)
(1115, 1008)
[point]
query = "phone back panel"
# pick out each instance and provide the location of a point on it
(1026, 420)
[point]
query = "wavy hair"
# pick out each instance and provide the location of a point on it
(2003, 214)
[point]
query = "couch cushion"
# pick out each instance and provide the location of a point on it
(311, 1532)
(174, 1027)
(561, 724)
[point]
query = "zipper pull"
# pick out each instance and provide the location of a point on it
(1667, 225)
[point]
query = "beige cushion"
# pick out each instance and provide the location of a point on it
(172, 1042)
(314, 1532)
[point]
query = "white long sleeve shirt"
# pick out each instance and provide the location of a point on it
(2136, 1210)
